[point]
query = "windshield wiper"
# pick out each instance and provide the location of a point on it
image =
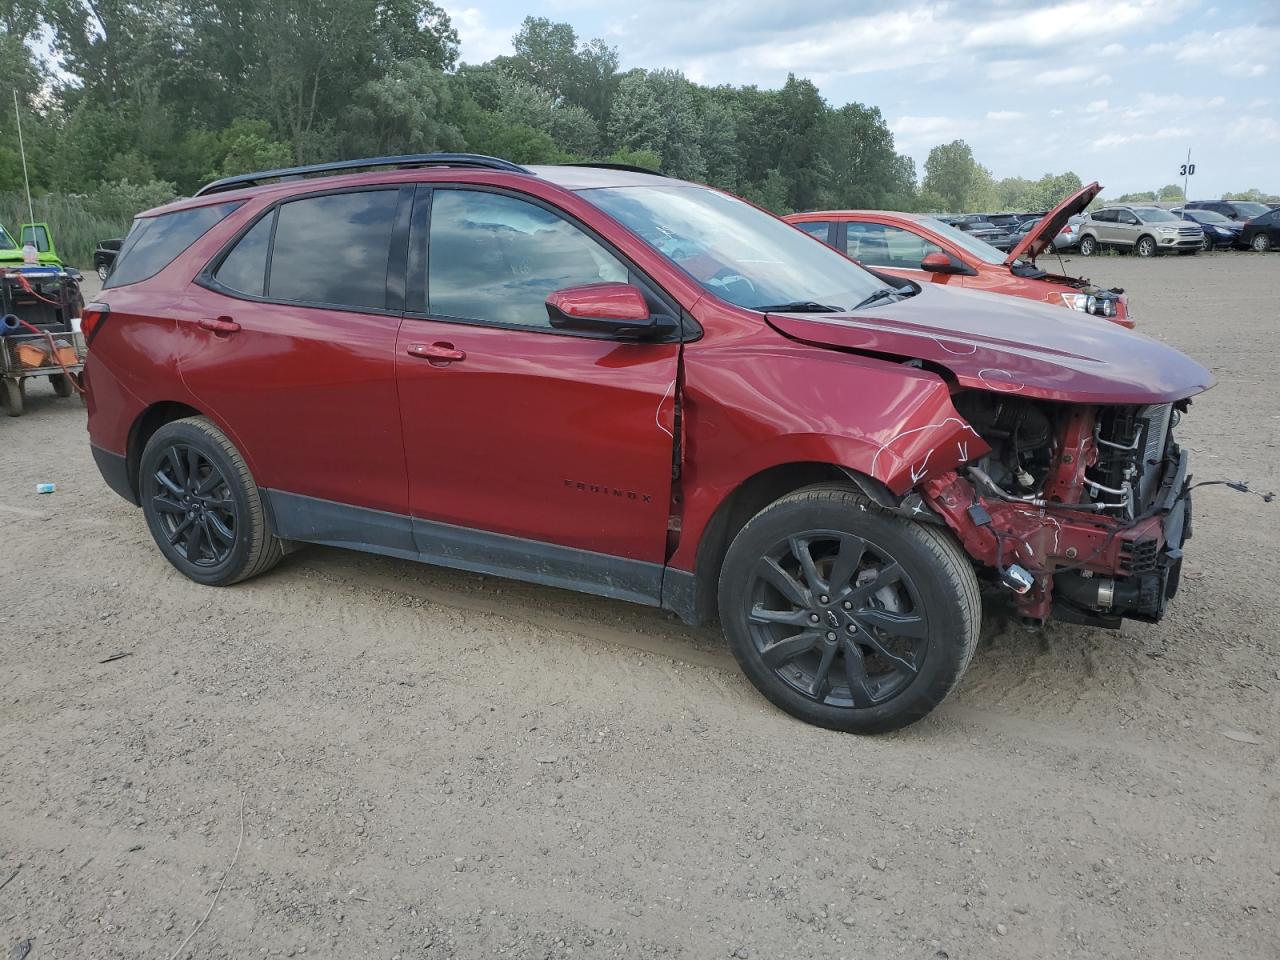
(798, 306)
(878, 295)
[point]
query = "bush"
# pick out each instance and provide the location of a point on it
(79, 220)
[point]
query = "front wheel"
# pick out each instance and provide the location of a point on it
(1146, 247)
(203, 508)
(61, 384)
(1261, 243)
(1088, 246)
(103, 270)
(846, 617)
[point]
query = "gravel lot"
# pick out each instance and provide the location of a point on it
(430, 764)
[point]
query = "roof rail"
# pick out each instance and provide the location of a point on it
(628, 167)
(368, 163)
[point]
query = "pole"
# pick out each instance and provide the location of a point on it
(1186, 178)
(17, 115)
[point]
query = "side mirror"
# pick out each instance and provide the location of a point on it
(617, 308)
(939, 262)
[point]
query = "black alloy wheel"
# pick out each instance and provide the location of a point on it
(837, 619)
(197, 513)
(201, 503)
(846, 616)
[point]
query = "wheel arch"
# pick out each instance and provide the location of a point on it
(747, 499)
(143, 429)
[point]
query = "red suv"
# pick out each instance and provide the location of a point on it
(604, 379)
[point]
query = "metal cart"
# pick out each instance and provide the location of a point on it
(49, 299)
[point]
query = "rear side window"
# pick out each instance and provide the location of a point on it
(245, 268)
(155, 242)
(334, 249)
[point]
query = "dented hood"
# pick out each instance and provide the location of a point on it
(1037, 241)
(1010, 345)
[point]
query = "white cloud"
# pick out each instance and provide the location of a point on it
(1120, 139)
(1047, 26)
(1237, 52)
(477, 40)
(1255, 130)
(1002, 115)
(1096, 106)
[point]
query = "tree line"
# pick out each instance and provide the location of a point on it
(131, 102)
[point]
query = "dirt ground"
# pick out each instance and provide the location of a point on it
(430, 764)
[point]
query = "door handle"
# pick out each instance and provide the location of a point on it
(220, 325)
(439, 353)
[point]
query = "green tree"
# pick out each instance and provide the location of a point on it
(951, 173)
(405, 111)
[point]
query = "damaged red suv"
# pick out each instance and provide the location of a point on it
(611, 381)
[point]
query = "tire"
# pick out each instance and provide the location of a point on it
(15, 392)
(1260, 243)
(103, 270)
(214, 529)
(1206, 244)
(1088, 246)
(1146, 246)
(875, 680)
(61, 385)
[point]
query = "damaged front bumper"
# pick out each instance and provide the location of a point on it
(1076, 566)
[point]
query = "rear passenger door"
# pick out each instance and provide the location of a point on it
(532, 452)
(290, 340)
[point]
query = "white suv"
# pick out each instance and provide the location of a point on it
(1146, 230)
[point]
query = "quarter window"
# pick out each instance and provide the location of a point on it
(334, 249)
(496, 258)
(879, 245)
(245, 268)
(816, 228)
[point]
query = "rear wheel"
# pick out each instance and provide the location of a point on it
(846, 617)
(1088, 246)
(103, 270)
(61, 384)
(203, 508)
(1146, 247)
(1261, 243)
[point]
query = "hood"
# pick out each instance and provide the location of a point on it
(1038, 239)
(1006, 344)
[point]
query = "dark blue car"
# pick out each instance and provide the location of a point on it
(1220, 233)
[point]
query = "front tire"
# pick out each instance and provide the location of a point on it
(1088, 246)
(846, 617)
(103, 270)
(1261, 243)
(202, 506)
(1145, 247)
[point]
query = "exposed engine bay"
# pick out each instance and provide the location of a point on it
(1081, 510)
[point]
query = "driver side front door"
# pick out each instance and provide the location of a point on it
(532, 452)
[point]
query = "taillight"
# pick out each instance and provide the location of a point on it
(91, 320)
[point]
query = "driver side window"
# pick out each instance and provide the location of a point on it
(496, 258)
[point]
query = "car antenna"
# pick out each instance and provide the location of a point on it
(17, 116)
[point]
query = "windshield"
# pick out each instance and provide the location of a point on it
(1250, 209)
(6, 241)
(1155, 215)
(1206, 216)
(979, 248)
(734, 250)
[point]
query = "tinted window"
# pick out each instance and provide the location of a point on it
(878, 245)
(6, 241)
(155, 242)
(816, 228)
(334, 249)
(496, 258)
(1103, 216)
(245, 267)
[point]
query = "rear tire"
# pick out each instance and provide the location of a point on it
(1088, 246)
(61, 384)
(202, 506)
(103, 270)
(847, 617)
(1260, 243)
(1145, 247)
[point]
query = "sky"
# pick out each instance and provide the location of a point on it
(1116, 90)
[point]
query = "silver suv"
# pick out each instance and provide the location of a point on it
(1147, 230)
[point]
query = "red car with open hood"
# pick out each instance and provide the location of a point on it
(918, 247)
(621, 383)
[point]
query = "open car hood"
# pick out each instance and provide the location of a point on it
(1051, 224)
(1007, 344)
